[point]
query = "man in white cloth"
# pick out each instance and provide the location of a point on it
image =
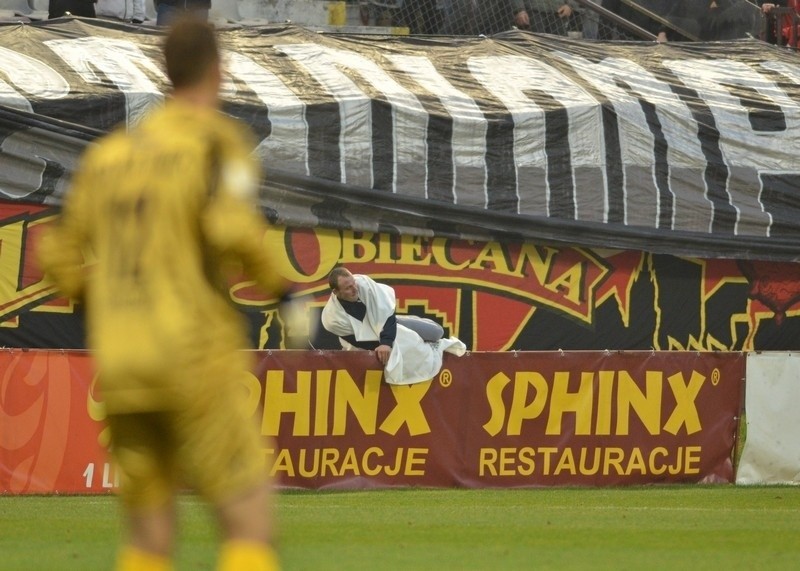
(361, 312)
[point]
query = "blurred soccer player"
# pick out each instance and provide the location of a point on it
(165, 208)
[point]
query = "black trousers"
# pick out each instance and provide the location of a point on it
(58, 8)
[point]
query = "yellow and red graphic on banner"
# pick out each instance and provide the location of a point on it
(487, 419)
(51, 439)
(493, 295)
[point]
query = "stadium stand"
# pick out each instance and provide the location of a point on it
(588, 19)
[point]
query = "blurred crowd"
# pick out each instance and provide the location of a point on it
(664, 20)
(660, 20)
(132, 11)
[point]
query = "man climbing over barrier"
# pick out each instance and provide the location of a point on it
(361, 312)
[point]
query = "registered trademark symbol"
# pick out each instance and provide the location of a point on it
(445, 378)
(715, 377)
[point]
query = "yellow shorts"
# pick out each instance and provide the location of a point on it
(210, 444)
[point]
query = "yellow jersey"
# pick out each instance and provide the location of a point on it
(164, 209)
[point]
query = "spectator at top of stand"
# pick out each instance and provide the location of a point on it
(126, 10)
(729, 20)
(544, 16)
(768, 7)
(474, 17)
(782, 28)
(59, 8)
(458, 18)
(637, 17)
(420, 16)
(685, 18)
(168, 11)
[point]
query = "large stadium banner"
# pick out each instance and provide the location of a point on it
(683, 148)
(493, 295)
(515, 419)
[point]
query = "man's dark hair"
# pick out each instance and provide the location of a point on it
(336, 273)
(190, 49)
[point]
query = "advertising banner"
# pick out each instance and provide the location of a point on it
(52, 439)
(516, 419)
(506, 420)
(549, 297)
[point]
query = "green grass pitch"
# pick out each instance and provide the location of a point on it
(717, 527)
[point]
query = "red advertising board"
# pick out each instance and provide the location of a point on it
(51, 433)
(488, 419)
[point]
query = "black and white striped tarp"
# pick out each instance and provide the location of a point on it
(676, 148)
